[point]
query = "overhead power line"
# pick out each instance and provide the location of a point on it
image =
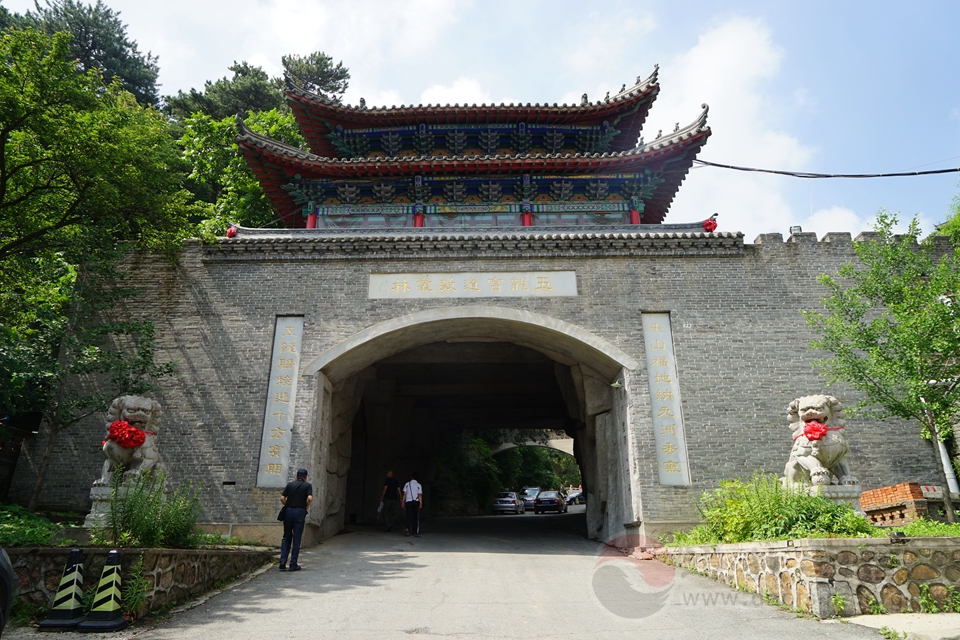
(804, 174)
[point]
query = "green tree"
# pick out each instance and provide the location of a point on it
(249, 89)
(232, 191)
(892, 328)
(80, 161)
(74, 348)
(100, 42)
(317, 73)
(952, 226)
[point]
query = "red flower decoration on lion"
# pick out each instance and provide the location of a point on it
(814, 431)
(127, 436)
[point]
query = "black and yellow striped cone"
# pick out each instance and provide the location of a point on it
(67, 610)
(106, 614)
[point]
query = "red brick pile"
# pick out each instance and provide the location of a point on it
(895, 505)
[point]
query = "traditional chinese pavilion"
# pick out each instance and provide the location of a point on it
(475, 166)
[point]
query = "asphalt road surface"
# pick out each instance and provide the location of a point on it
(521, 577)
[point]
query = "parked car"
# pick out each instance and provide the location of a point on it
(576, 497)
(549, 501)
(528, 495)
(508, 502)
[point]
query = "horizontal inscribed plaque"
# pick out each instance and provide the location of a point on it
(486, 284)
(665, 400)
(281, 402)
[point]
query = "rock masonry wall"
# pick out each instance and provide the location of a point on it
(740, 342)
(173, 574)
(805, 574)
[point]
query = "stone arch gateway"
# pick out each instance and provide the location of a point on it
(585, 367)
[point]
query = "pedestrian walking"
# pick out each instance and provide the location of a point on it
(296, 498)
(412, 503)
(391, 499)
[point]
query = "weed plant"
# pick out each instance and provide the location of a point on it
(143, 514)
(763, 509)
(135, 589)
(19, 527)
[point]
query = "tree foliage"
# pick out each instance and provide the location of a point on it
(100, 42)
(81, 160)
(892, 328)
(952, 226)
(232, 193)
(250, 89)
(71, 347)
(317, 73)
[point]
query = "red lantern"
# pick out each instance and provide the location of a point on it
(231, 231)
(709, 225)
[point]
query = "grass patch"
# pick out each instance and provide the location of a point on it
(926, 529)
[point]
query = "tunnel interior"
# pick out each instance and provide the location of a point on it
(414, 402)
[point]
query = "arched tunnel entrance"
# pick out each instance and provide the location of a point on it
(441, 409)
(400, 394)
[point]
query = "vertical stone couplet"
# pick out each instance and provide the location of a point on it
(634, 216)
(526, 219)
(312, 221)
(418, 219)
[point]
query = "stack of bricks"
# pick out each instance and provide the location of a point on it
(895, 505)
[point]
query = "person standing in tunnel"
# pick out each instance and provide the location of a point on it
(412, 503)
(391, 499)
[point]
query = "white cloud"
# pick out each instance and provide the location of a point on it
(835, 218)
(463, 90)
(728, 68)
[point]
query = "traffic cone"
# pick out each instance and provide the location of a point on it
(67, 609)
(106, 614)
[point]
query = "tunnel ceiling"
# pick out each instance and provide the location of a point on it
(479, 385)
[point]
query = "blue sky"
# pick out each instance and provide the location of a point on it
(845, 87)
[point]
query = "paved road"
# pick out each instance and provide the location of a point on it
(495, 577)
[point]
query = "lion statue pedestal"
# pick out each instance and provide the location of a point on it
(817, 459)
(131, 443)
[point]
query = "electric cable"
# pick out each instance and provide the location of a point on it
(804, 174)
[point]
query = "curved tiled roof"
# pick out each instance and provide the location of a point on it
(274, 164)
(625, 111)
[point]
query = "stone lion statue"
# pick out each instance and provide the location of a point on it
(819, 443)
(141, 414)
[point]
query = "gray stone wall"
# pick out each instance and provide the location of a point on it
(172, 575)
(805, 574)
(740, 341)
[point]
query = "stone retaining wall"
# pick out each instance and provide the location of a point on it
(173, 574)
(805, 574)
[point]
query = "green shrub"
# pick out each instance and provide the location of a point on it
(19, 527)
(143, 514)
(762, 509)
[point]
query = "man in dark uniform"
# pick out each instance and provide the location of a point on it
(390, 497)
(296, 497)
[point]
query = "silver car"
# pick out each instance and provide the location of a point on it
(508, 502)
(528, 495)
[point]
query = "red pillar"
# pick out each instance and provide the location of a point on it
(634, 216)
(526, 219)
(418, 219)
(312, 221)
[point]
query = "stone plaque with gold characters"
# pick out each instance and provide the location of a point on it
(487, 284)
(665, 400)
(281, 403)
